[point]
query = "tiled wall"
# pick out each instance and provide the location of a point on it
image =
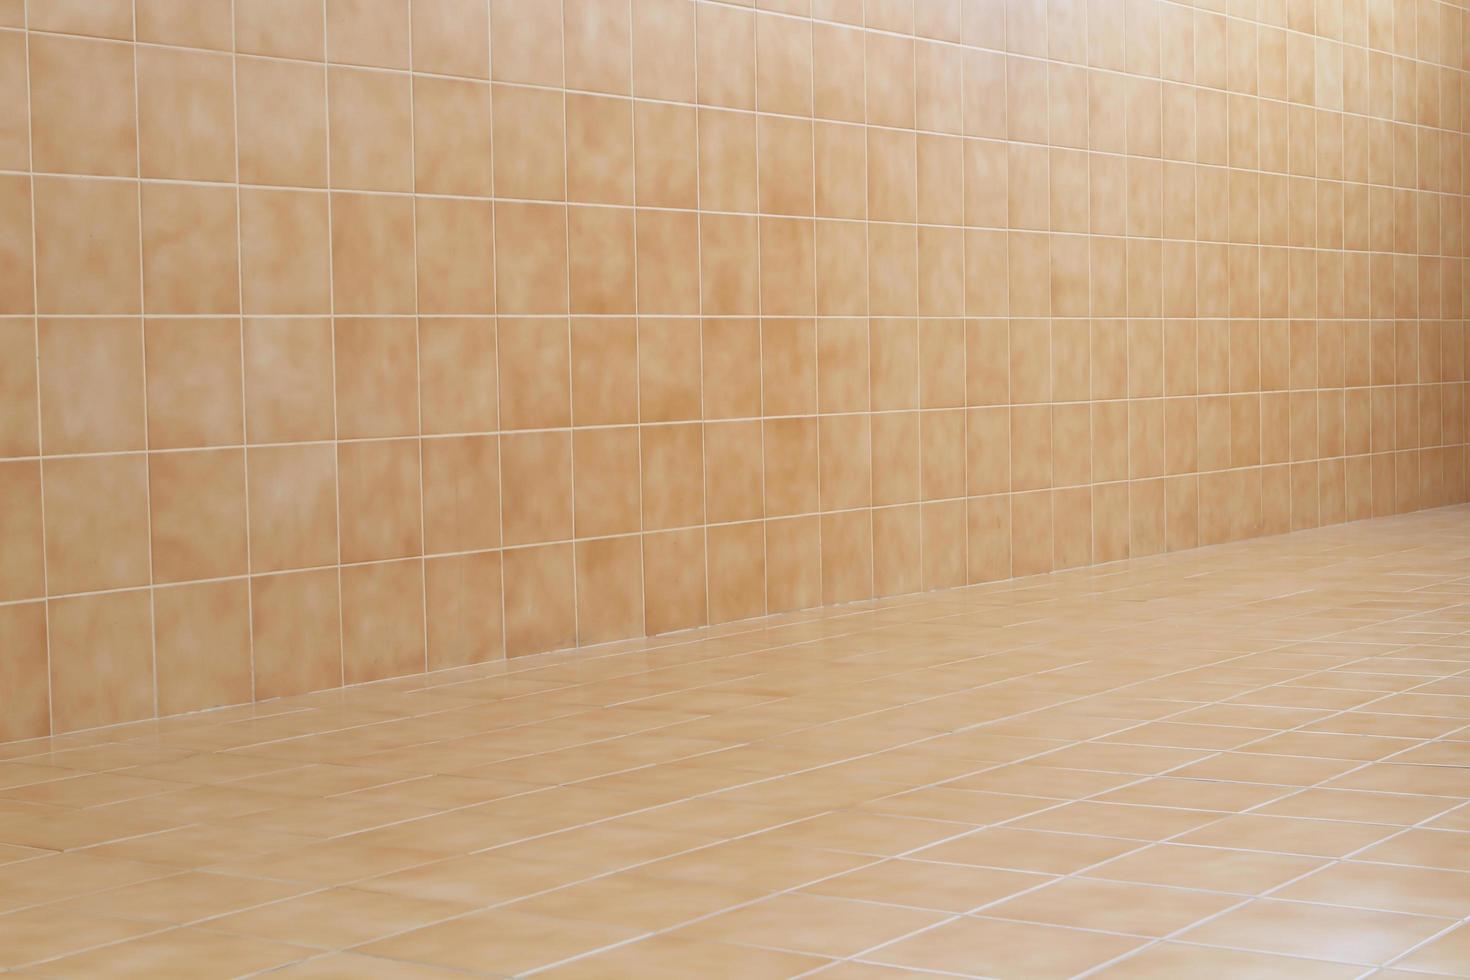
(343, 339)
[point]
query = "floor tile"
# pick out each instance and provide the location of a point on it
(1240, 761)
(987, 947)
(1317, 931)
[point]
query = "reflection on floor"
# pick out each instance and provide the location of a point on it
(1251, 760)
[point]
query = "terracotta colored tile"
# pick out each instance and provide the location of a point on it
(674, 595)
(372, 254)
(379, 499)
(22, 567)
(202, 25)
(368, 32)
(197, 504)
(604, 371)
(463, 596)
(599, 142)
(193, 383)
(108, 19)
(293, 507)
(96, 540)
(283, 28)
(668, 270)
(793, 564)
(734, 469)
(202, 637)
(174, 86)
(897, 550)
(382, 621)
(538, 941)
(450, 115)
(295, 633)
(87, 247)
(284, 247)
(609, 589)
(82, 111)
(1135, 909)
(457, 375)
(17, 283)
(455, 250)
(732, 364)
(91, 375)
(531, 256)
(448, 38)
(791, 466)
(185, 951)
(1317, 931)
(672, 476)
(595, 38)
(807, 923)
(606, 470)
(28, 702)
(530, 138)
(376, 380)
(520, 32)
(539, 601)
(288, 380)
(669, 353)
(536, 487)
(1003, 947)
(736, 571)
(1170, 959)
(461, 493)
(101, 660)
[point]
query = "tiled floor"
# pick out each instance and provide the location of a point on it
(1251, 760)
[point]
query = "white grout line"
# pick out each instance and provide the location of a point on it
(244, 403)
(36, 375)
(1417, 456)
(332, 326)
(143, 353)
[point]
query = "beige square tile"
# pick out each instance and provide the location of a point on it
(83, 116)
(185, 116)
(96, 540)
(197, 514)
(202, 646)
(101, 660)
(1004, 947)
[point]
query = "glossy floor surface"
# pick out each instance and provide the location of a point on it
(1245, 761)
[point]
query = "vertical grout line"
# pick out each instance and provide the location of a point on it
(36, 369)
(960, 305)
(143, 338)
(499, 427)
(1087, 331)
(919, 413)
(1163, 477)
(637, 340)
(1003, 13)
(867, 308)
(699, 332)
(760, 329)
(332, 333)
(811, 81)
(698, 278)
(240, 333)
(418, 357)
(566, 217)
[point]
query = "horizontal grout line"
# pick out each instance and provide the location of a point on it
(1419, 193)
(958, 46)
(805, 515)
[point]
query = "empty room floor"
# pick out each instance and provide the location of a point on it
(1249, 760)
